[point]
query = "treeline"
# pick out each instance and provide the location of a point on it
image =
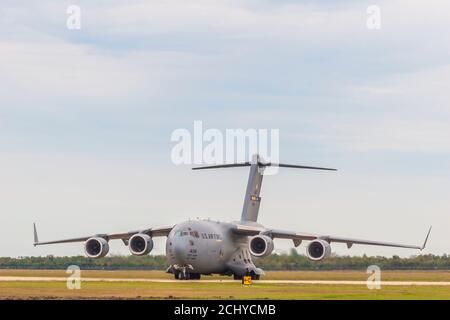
(292, 261)
(295, 261)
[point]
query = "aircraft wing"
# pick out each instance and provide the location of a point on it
(297, 237)
(153, 232)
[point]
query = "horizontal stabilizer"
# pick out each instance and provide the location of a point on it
(231, 165)
(262, 164)
(282, 165)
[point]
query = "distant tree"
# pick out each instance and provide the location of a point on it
(292, 261)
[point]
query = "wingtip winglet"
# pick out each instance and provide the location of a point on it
(426, 238)
(36, 239)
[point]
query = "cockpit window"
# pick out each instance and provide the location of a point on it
(187, 233)
(194, 234)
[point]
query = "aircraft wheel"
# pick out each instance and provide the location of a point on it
(237, 277)
(180, 276)
(194, 276)
(254, 275)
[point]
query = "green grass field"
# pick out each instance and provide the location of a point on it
(190, 290)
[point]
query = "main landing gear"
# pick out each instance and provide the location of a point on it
(252, 274)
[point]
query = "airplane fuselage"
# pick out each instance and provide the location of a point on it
(207, 247)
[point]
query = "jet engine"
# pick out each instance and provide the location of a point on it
(318, 250)
(261, 246)
(96, 247)
(140, 244)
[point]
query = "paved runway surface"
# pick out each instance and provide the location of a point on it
(324, 282)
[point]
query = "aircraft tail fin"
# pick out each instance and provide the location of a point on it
(252, 199)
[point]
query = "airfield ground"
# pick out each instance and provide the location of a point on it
(51, 284)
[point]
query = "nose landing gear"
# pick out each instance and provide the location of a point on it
(183, 272)
(187, 276)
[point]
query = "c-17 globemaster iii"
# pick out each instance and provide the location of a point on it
(197, 247)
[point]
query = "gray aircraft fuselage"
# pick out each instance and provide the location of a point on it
(209, 247)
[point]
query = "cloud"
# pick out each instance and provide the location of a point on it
(425, 89)
(65, 70)
(144, 49)
(392, 135)
(139, 69)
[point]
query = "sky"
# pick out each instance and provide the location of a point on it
(86, 117)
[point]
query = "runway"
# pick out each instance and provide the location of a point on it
(317, 282)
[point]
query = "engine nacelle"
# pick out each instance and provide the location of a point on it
(140, 244)
(96, 247)
(260, 246)
(318, 250)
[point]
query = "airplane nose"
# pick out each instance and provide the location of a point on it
(181, 249)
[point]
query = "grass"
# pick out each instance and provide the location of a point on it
(234, 290)
(357, 275)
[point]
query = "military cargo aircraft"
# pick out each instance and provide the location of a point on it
(197, 247)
